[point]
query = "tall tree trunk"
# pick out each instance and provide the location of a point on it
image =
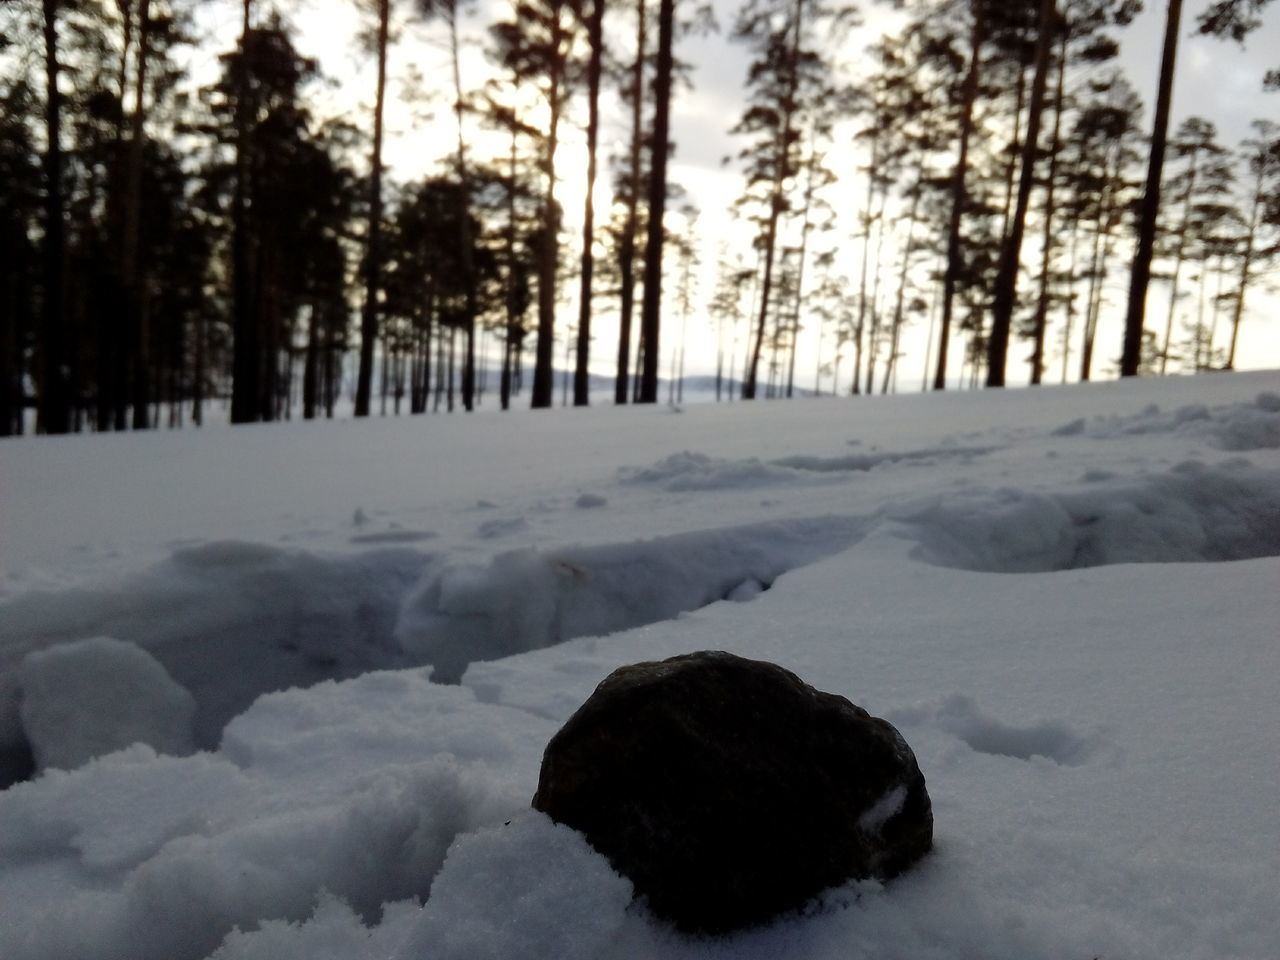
(510, 293)
(627, 250)
(1011, 168)
(1011, 253)
(1246, 263)
(1140, 276)
(549, 252)
(868, 219)
(651, 306)
(112, 358)
(134, 287)
(55, 388)
(373, 248)
(469, 279)
(595, 37)
(246, 350)
(797, 299)
(1041, 322)
(1216, 313)
(1198, 339)
(900, 300)
(1178, 256)
(310, 364)
(384, 379)
(951, 277)
(267, 271)
(428, 327)
(777, 203)
(1102, 250)
(1069, 308)
(440, 371)
(873, 335)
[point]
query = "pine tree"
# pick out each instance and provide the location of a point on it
(959, 192)
(1006, 280)
(19, 254)
(1234, 18)
(788, 80)
(595, 41)
(373, 235)
(536, 45)
(627, 191)
(1263, 165)
(54, 381)
(659, 149)
(1194, 144)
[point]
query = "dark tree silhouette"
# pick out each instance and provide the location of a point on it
(959, 193)
(1010, 253)
(595, 64)
(536, 46)
(651, 305)
(55, 381)
(1140, 275)
(1233, 18)
(19, 257)
(373, 237)
(246, 375)
(1263, 164)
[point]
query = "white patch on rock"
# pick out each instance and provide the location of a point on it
(884, 809)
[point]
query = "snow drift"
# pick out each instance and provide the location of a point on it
(1097, 731)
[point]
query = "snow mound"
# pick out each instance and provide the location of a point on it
(1235, 427)
(862, 462)
(690, 471)
(960, 716)
(71, 689)
(1191, 513)
(157, 858)
(117, 812)
(327, 736)
(333, 932)
(529, 890)
(529, 599)
(227, 620)
(208, 631)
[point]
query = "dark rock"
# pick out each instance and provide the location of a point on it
(728, 790)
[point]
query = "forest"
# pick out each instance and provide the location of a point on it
(178, 245)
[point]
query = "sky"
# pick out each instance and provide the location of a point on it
(1217, 79)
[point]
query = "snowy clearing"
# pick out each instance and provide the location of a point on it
(218, 648)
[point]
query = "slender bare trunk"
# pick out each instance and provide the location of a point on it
(1010, 254)
(55, 388)
(777, 201)
(373, 247)
(134, 287)
(246, 348)
(1041, 322)
(958, 193)
(1179, 249)
(1140, 277)
(595, 38)
(651, 305)
(1246, 263)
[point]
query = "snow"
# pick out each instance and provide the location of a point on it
(69, 689)
(288, 686)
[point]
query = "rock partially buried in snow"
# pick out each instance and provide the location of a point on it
(92, 697)
(729, 791)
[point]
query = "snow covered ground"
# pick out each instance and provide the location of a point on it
(217, 648)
